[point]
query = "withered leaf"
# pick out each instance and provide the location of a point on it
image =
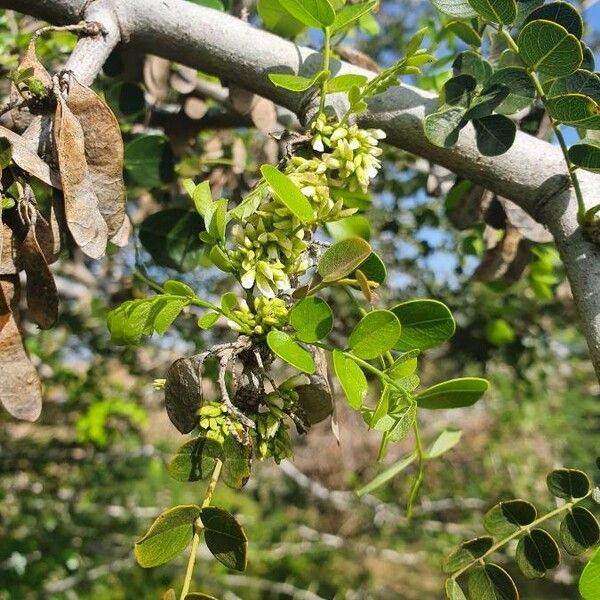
(183, 391)
(47, 240)
(42, 295)
(30, 61)
(103, 153)
(315, 397)
(29, 161)
(83, 216)
(20, 391)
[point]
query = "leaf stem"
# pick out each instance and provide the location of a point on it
(198, 527)
(326, 61)
(582, 216)
(522, 530)
(414, 490)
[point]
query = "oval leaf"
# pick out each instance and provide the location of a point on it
(351, 378)
(467, 552)
(579, 531)
(225, 537)
(507, 517)
(491, 582)
(195, 460)
(290, 351)
(343, 258)
(425, 324)
(313, 13)
(537, 553)
(169, 535)
(589, 583)
(375, 333)
(568, 483)
(454, 393)
(312, 318)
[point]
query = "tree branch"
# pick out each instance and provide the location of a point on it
(532, 174)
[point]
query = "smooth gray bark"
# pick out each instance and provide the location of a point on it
(532, 174)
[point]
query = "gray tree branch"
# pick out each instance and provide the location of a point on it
(532, 174)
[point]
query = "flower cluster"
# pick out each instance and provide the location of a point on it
(215, 422)
(354, 153)
(270, 245)
(268, 313)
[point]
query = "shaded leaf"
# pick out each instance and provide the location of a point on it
(537, 552)
(195, 460)
(466, 553)
(343, 258)
(509, 516)
(224, 537)
(491, 582)
(149, 160)
(237, 463)
(579, 531)
(568, 483)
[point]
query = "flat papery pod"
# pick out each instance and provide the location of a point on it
(47, 239)
(30, 63)
(121, 238)
(9, 259)
(21, 391)
(30, 162)
(85, 222)
(315, 397)
(103, 152)
(42, 295)
(183, 391)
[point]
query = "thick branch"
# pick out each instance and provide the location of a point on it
(532, 173)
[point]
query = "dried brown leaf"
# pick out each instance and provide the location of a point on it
(29, 161)
(42, 295)
(20, 392)
(183, 391)
(83, 216)
(9, 259)
(103, 152)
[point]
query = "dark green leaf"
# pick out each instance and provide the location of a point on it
(224, 537)
(549, 48)
(171, 238)
(169, 535)
(465, 32)
(495, 134)
(458, 90)
(568, 483)
(459, 9)
(442, 128)
(454, 393)
(503, 12)
(579, 531)
(537, 552)
(149, 160)
(374, 268)
(507, 517)
(467, 552)
(425, 324)
(491, 582)
(586, 154)
(562, 13)
(521, 89)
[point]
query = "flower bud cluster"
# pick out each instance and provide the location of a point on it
(272, 438)
(215, 422)
(270, 245)
(268, 313)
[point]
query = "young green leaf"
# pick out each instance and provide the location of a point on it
(343, 83)
(312, 318)
(425, 324)
(343, 258)
(454, 393)
(178, 288)
(169, 535)
(208, 320)
(375, 334)
(351, 378)
(167, 314)
(589, 583)
(195, 460)
(290, 351)
(313, 13)
(288, 192)
(351, 13)
(202, 197)
(278, 20)
(444, 442)
(225, 537)
(404, 366)
(454, 591)
(295, 83)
